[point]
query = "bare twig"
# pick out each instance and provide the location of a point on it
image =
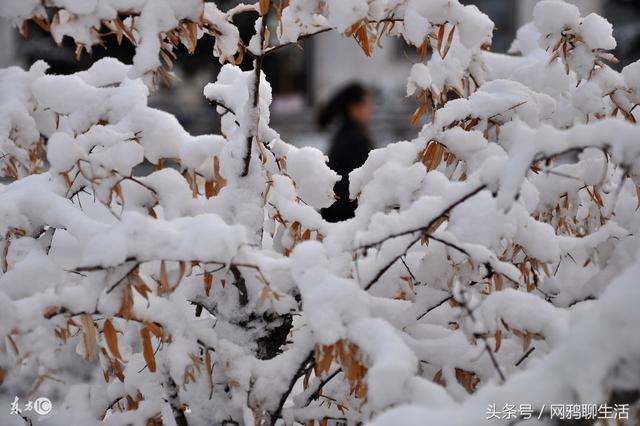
(117, 283)
(430, 224)
(462, 300)
(283, 398)
(415, 240)
(320, 31)
(440, 303)
(525, 356)
(318, 387)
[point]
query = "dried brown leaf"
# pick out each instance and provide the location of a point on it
(468, 379)
(209, 189)
(154, 328)
(89, 333)
(117, 370)
(208, 281)
(324, 358)
(526, 341)
(163, 280)
(147, 349)
(209, 364)
(220, 181)
(111, 337)
(439, 379)
(264, 7)
(424, 107)
(498, 340)
(424, 49)
(440, 38)
(263, 296)
(126, 308)
(42, 23)
(449, 41)
(363, 39)
(361, 391)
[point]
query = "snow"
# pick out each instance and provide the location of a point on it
(63, 152)
(475, 26)
(631, 75)
(552, 16)
(18, 132)
(343, 14)
(588, 99)
(78, 18)
(416, 26)
(580, 42)
(320, 291)
(561, 376)
(393, 364)
(509, 222)
(419, 78)
(227, 44)
(314, 180)
(597, 32)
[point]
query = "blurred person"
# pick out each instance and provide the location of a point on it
(352, 109)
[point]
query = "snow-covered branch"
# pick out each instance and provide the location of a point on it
(215, 293)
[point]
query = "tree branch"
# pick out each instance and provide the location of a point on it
(464, 303)
(299, 372)
(415, 240)
(430, 224)
(318, 387)
(257, 72)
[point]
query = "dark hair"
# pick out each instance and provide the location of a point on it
(339, 105)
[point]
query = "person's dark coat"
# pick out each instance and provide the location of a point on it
(350, 147)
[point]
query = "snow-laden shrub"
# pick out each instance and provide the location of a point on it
(216, 294)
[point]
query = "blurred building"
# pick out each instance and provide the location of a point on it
(335, 60)
(304, 78)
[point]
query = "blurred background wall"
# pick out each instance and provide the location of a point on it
(304, 78)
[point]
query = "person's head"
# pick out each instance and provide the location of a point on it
(351, 103)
